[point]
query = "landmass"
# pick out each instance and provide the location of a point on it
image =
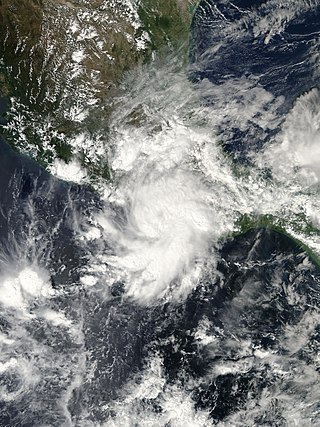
(62, 63)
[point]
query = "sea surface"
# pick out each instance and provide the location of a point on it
(185, 291)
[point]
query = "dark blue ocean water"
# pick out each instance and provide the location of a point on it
(284, 64)
(266, 288)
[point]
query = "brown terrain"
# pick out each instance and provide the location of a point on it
(59, 58)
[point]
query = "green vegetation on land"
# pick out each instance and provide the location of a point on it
(35, 65)
(167, 23)
(280, 225)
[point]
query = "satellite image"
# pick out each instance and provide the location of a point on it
(159, 213)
